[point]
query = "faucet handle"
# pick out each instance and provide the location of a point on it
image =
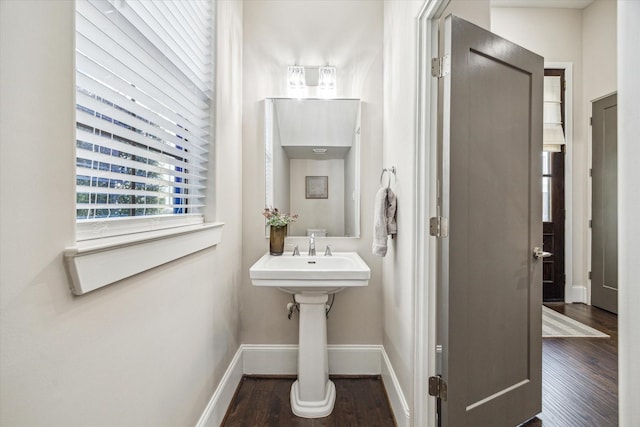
(296, 251)
(327, 251)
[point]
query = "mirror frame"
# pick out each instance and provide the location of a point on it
(269, 142)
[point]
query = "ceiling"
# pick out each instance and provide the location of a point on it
(559, 4)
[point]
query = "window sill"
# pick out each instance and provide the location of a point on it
(92, 264)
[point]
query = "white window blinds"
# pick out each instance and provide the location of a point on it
(553, 135)
(143, 111)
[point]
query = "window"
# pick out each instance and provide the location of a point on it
(144, 130)
(553, 145)
(546, 186)
(143, 114)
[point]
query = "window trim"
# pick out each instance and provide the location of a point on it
(93, 264)
(102, 256)
(109, 227)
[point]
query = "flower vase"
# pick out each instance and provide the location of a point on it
(276, 239)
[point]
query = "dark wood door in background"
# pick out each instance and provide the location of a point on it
(554, 213)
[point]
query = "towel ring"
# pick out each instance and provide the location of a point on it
(389, 171)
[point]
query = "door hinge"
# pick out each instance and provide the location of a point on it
(590, 276)
(438, 226)
(437, 387)
(590, 121)
(564, 85)
(591, 172)
(440, 66)
(590, 223)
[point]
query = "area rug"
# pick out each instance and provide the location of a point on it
(556, 325)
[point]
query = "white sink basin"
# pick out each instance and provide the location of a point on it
(311, 279)
(315, 274)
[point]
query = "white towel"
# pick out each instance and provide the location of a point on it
(390, 213)
(384, 220)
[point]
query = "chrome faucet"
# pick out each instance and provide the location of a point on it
(312, 244)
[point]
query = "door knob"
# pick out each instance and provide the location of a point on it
(539, 253)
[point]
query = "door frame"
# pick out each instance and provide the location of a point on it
(425, 354)
(425, 345)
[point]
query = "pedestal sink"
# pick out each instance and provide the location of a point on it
(311, 279)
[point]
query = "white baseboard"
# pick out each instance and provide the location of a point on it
(217, 407)
(576, 294)
(269, 359)
(394, 391)
(283, 360)
(355, 359)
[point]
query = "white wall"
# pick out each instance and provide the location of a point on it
(599, 24)
(400, 86)
(147, 351)
(628, 211)
(475, 11)
(347, 35)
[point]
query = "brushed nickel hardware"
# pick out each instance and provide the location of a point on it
(539, 253)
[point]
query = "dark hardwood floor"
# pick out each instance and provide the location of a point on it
(580, 375)
(579, 387)
(264, 401)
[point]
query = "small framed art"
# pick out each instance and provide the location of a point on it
(317, 187)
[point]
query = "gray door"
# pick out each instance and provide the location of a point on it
(604, 233)
(489, 281)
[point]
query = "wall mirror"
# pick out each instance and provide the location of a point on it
(312, 164)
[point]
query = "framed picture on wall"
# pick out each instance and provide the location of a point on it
(316, 187)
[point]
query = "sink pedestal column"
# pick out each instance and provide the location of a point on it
(313, 394)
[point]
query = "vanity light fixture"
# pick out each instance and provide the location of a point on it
(311, 81)
(327, 78)
(295, 77)
(319, 150)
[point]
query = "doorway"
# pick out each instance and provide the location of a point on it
(576, 291)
